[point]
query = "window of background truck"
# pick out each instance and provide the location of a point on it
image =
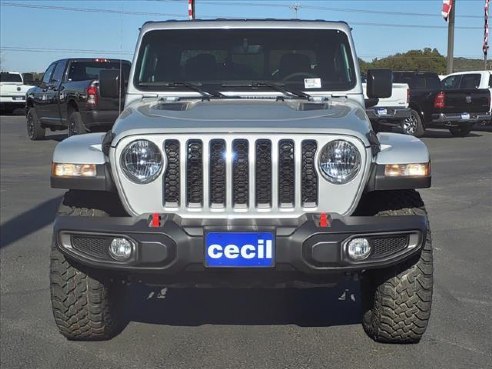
(222, 56)
(10, 77)
(470, 81)
(451, 82)
(89, 70)
(432, 82)
(48, 73)
(57, 76)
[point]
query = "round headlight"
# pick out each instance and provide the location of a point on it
(339, 161)
(141, 161)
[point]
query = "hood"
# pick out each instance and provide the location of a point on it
(337, 116)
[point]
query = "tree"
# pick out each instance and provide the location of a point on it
(429, 60)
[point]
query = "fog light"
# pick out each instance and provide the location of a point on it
(358, 249)
(120, 249)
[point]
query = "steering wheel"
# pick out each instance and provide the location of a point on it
(298, 74)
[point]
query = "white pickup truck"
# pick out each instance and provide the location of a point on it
(391, 111)
(12, 91)
(480, 79)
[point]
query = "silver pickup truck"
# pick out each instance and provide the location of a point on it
(244, 158)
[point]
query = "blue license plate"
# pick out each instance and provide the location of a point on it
(240, 249)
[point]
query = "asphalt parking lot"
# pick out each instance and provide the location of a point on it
(188, 328)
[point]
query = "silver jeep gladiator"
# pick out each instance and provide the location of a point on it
(243, 158)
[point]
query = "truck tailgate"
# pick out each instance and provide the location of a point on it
(469, 101)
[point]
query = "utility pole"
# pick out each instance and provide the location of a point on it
(450, 60)
(295, 7)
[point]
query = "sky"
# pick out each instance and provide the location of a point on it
(33, 33)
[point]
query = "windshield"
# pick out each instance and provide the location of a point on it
(88, 70)
(299, 58)
(10, 77)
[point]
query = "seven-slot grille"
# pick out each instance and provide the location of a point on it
(240, 174)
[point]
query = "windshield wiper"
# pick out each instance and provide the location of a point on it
(192, 86)
(280, 88)
(289, 92)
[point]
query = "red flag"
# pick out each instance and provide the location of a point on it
(446, 8)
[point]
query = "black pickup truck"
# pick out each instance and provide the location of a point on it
(433, 105)
(68, 97)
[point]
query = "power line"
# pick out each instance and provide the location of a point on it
(94, 10)
(88, 10)
(326, 8)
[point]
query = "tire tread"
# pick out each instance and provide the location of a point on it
(397, 301)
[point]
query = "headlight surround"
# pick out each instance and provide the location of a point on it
(339, 161)
(141, 161)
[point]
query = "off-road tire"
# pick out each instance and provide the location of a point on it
(87, 305)
(413, 125)
(397, 301)
(460, 131)
(35, 131)
(76, 124)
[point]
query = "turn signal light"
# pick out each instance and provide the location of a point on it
(73, 170)
(407, 170)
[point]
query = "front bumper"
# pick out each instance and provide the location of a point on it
(460, 119)
(176, 249)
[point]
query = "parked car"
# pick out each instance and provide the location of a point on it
(471, 79)
(391, 112)
(456, 109)
(68, 97)
(12, 91)
(247, 162)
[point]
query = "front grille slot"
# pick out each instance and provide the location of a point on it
(263, 173)
(309, 177)
(240, 173)
(286, 173)
(172, 174)
(194, 173)
(217, 172)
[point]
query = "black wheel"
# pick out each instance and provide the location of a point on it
(397, 301)
(413, 125)
(87, 305)
(75, 124)
(460, 131)
(34, 129)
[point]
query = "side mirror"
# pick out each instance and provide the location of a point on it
(110, 84)
(379, 83)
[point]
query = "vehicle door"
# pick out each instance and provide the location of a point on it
(39, 94)
(55, 93)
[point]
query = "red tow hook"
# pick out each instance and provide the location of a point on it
(324, 220)
(155, 221)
